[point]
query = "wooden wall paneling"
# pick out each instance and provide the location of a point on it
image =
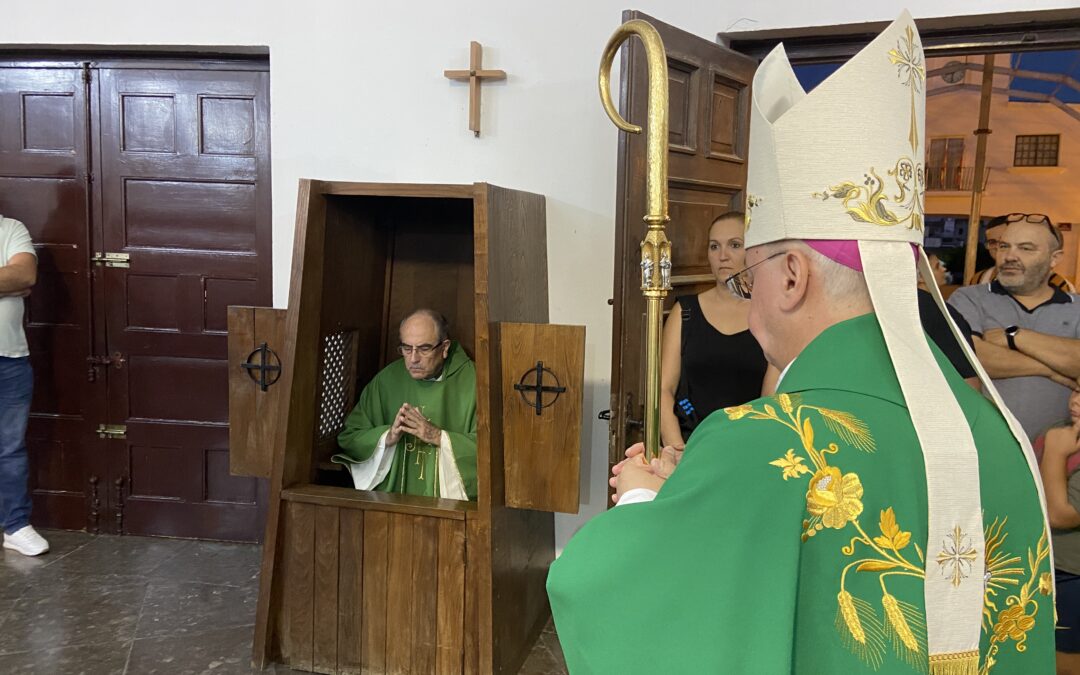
(424, 630)
(478, 630)
(350, 591)
(292, 464)
(513, 594)
(542, 451)
(376, 585)
(526, 548)
(326, 593)
(297, 611)
(354, 268)
(476, 558)
(400, 593)
(517, 249)
(451, 599)
(432, 265)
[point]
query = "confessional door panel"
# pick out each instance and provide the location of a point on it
(45, 183)
(256, 341)
(709, 88)
(542, 377)
(185, 183)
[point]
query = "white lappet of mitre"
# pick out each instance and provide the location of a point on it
(842, 167)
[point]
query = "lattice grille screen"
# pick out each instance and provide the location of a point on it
(337, 381)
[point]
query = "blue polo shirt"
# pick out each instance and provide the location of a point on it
(1037, 402)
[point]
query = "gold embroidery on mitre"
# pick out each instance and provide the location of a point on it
(751, 202)
(907, 57)
(870, 203)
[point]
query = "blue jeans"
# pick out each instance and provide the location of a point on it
(16, 389)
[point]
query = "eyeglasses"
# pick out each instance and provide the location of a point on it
(741, 283)
(423, 350)
(1035, 219)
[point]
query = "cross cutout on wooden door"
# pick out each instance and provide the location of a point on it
(475, 75)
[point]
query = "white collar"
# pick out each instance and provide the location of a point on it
(783, 373)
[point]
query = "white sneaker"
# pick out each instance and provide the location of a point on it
(26, 541)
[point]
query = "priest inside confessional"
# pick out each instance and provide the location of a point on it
(413, 431)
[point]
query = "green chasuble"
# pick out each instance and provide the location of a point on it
(416, 467)
(791, 538)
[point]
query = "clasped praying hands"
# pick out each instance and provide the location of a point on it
(410, 420)
(634, 472)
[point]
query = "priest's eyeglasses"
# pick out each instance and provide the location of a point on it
(741, 283)
(423, 350)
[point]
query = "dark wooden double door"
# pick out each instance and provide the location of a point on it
(145, 186)
(709, 112)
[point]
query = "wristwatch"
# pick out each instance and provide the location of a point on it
(1010, 335)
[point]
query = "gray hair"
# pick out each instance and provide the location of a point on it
(442, 326)
(840, 283)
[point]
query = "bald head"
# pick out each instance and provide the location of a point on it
(425, 343)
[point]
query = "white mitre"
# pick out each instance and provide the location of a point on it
(845, 163)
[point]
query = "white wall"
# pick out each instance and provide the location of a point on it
(357, 93)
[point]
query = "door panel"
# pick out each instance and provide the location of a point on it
(709, 98)
(44, 180)
(185, 165)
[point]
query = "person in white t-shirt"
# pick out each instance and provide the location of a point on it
(18, 273)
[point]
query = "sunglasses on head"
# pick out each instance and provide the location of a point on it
(1033, 218)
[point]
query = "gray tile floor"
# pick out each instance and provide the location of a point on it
(97, 605)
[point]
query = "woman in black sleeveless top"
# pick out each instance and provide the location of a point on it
(709, 358)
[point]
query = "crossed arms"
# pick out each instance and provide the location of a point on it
(1037, 354)
(18, 276)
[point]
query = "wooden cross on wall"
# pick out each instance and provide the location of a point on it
(475, 75)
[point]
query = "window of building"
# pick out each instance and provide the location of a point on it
(1037, 150)
(945, 163)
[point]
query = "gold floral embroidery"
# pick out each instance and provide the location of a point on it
(738, 412)
(752, 201)
(793, 466)
(1000, 569)
(1019, 616)
(834, 497)
(957, 556)
(834, 501)
(1046, 585)
(870, 203)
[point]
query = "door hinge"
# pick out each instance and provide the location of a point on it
(112, 431)
(111, 259)
(86, 73)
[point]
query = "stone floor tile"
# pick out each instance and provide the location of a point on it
(177, 608)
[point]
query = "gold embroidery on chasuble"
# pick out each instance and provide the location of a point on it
(1012, 622)
(834, 500)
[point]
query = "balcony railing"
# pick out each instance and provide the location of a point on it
(955, 178)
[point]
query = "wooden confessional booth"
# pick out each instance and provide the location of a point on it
(355, 581)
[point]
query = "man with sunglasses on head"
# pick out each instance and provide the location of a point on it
(413, 431)
(995, 229)
(1027, 332)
